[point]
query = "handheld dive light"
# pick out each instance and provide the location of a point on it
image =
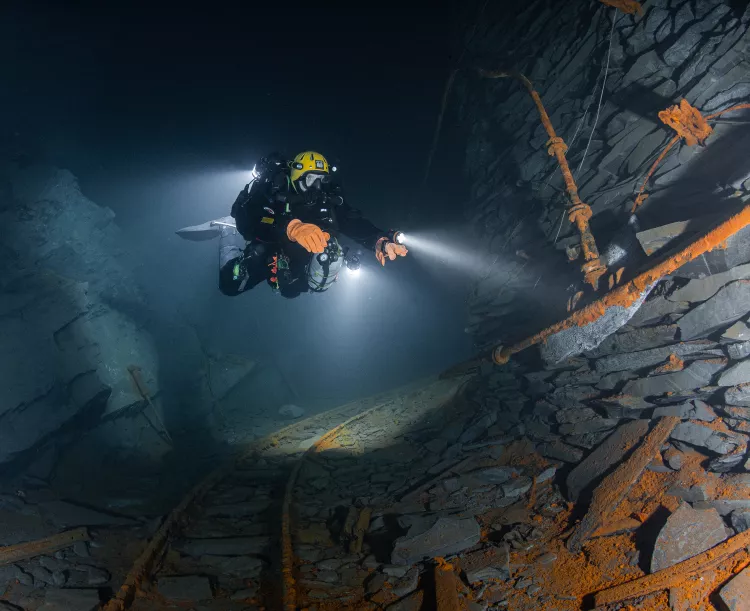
(396, 236)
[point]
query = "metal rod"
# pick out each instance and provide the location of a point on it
(579, 212)
(628, 293)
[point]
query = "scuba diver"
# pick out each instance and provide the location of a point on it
(286, 223)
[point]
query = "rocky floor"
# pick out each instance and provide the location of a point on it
(617, 479)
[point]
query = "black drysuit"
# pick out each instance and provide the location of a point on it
(262, 214)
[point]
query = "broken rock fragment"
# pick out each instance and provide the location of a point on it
(738, 331)
(560, 451)
(613, 380)
(448, 536)
(487, 563)
(633, 341)
(736, 594)
(701, 289)
(729, 304)
(694, 376)
(572, 396)
(593, 425)
(648, 358)
(738, 374)
(739, 351)
(705, 437)
(688, 532)
(692, 410)
(738, 395)
(571, 416)
(740, 519)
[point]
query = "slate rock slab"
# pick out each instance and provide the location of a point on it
(496, 475)
(613, 380)
(743, 413)
(636, 340)
(589, 426)
(448, 536)
(572, 396)
(657, 309)
(648, 358)
(687, 532)
(571, 416)
(478, 428)
(583, 375)
(704, 288)
(728, 305)
(486, 564)
(70, 599)
(738, 395)
(187, 587)
(697, 374)
(739, 331)
(738, 374)
(739, 351)
(740, 520)
(560, 451)
(692, 410)
(609, 453)
(587, 440)
(705, 437)
(736, 594)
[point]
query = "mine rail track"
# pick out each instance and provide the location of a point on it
(220, 545)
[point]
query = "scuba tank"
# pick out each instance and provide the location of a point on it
(323, 269)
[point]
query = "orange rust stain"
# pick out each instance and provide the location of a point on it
(674, 363)
(629, 7)
(688, 122)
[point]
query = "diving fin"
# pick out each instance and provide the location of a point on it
(206, 231)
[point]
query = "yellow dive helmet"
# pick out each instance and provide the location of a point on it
(308, 169)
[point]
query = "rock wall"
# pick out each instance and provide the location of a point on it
(67, 342)
(603, 77)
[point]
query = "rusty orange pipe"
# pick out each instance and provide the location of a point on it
(627, 294)
(579, 213)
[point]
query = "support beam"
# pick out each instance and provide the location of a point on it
(611, 492)
(677, 573)
(40, 547)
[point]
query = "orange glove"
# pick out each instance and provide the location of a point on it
(384, 248)
(311, 237)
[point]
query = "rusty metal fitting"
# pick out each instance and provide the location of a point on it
(556, 144)
(580, 213)
(592, 271)
(501, 355)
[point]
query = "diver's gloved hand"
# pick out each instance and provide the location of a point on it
(311, 237)
(385, 248)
